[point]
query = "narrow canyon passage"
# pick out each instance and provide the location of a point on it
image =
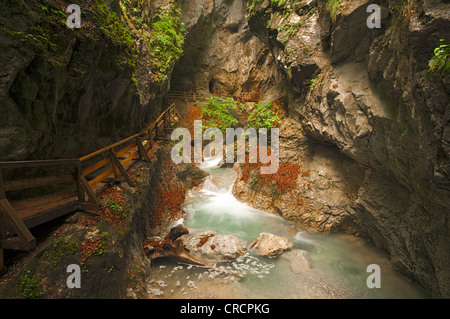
(361, 101)
(336, 266)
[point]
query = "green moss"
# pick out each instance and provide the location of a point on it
(166, 42)
(333, 7)
(61, 248)
(116, 28)
(316, 82)
(29, 288)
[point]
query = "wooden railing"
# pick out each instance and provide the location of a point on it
(250, 97)
(185, 96)
(17, 217)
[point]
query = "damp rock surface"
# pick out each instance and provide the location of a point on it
(212, 246)
(271, 245)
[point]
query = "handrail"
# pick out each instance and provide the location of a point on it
(56, 204)
(39, 163)
(107, 148)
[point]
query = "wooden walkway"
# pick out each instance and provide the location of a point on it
(17, 217)
(193, 96)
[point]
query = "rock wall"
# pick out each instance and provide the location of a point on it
(367, 92)
(66, 92)
(221, 54)
(373, 140)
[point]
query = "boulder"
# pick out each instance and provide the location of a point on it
(211, 246)
(271, 245)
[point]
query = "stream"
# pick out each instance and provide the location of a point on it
(338, 261)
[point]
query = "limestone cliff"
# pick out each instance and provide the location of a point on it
(222, 56)
(369, 125)
(65, 92)
(368, 94)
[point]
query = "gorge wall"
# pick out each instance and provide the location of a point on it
(222, 56)
(66, 92)
(367, 123)
(367, 94)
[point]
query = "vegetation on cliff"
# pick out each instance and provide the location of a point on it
(226, 113)
(440, 62)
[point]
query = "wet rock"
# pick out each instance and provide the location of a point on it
(177, 232)
(211, 246)
(271, 245)
(299, 259)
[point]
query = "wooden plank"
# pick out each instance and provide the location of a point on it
(100, 178)
(96, 166)
(22, 164)
(37, 216)
(161, 116)
(116, 171)
(132, 156)
(37, 182)
(80, 189)
(108, 148)
(2, 186)
(43, 200)
(17, 223)
(125, 150)
(121, 169)
(142, 151)
(18, 244)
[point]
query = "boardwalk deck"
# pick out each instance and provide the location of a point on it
(16, 218)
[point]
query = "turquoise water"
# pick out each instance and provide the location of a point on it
(338, 262)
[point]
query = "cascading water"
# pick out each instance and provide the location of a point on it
(339, 262)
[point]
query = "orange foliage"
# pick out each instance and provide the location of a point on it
(285, 178)
(204, 239)
(90, 247)
(158, 244)
(107, 212)
(168, 203)
(193, 113)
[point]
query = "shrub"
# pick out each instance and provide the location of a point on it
(333, 7)
(440, 62)
(166, 43)
(263, 116)
(216, 113)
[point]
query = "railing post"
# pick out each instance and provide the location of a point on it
(115, 168)
(2, 224)
(80, 188)
(165, 120)
(2, 186)
(150, 140)
(115, 162)
(142, 152)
